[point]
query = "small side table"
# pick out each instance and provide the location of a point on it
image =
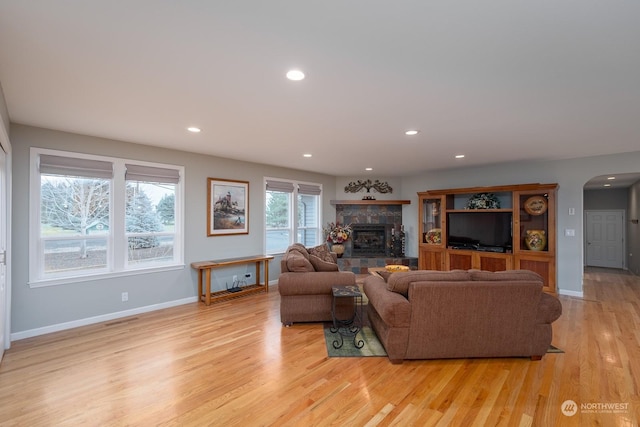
(351, 326)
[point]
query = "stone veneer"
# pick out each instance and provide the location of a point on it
(370, 214)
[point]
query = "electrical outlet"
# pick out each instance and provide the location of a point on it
(235, 278)
(125, 296)
(248, 275)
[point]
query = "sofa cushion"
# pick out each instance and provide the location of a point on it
(297, 262)
(320, 264)
(322, 252)
(503, 276)
(399, 281)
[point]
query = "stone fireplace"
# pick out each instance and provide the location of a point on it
(372, 222)
(370, 242)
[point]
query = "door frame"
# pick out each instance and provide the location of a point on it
(5, 192)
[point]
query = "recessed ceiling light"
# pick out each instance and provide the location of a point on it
(459, 156)
(611, 177)
(607, 185)
(412, 132)
(307, 155)
(193, 129)
(295, 75)
(368, 169)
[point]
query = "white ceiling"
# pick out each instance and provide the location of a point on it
(498, 80)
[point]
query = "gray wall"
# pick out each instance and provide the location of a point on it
(34, 308)
(611, 199)
(633, 229)
(571, 175)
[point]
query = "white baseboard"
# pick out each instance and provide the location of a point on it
(97, 319)
(571, 293)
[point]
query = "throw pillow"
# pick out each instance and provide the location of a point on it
(321, 265)
(297, 262)
(322, 252)
(299, 247)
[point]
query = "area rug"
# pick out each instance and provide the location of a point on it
(554, 349)
(372, 346)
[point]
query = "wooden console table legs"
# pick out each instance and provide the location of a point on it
(204, 277)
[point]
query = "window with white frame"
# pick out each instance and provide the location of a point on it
(287, 222)
(94, 215)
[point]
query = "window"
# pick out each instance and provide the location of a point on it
(281, 229)
(99, 216)
(150, 214)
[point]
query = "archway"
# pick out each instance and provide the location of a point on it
(606, 206)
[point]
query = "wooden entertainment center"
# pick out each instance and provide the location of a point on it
(461, 229)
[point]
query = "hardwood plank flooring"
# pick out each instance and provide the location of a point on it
(233, 364)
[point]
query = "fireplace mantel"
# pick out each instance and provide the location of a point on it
(370, 202)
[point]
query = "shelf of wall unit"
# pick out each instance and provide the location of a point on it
(533, 212)
(370, 202)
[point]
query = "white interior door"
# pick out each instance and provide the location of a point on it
(605, 238)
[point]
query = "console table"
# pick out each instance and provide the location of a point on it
(204, 277)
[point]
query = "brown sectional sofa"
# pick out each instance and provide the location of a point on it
(460, 314)
(305, 285)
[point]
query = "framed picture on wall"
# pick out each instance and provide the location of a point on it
(227, 207)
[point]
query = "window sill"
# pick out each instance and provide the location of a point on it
(101, 276)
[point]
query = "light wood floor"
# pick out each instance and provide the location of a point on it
(233, 364)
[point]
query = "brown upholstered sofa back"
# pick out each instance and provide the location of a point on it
(459, 314)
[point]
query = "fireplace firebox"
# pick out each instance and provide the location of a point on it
(369, 240)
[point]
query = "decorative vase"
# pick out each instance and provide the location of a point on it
(338, 249)
(536, 240)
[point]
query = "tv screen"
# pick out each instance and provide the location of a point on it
(479, 230)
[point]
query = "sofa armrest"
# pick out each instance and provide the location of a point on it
(392, 307)
(549, 309)
(311, 283)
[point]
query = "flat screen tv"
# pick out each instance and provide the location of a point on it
(489, 231)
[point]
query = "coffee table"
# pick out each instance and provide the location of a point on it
(351, 326)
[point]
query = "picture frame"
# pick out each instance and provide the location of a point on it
(227, 207)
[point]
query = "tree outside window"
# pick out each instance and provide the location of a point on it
(75, 218)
